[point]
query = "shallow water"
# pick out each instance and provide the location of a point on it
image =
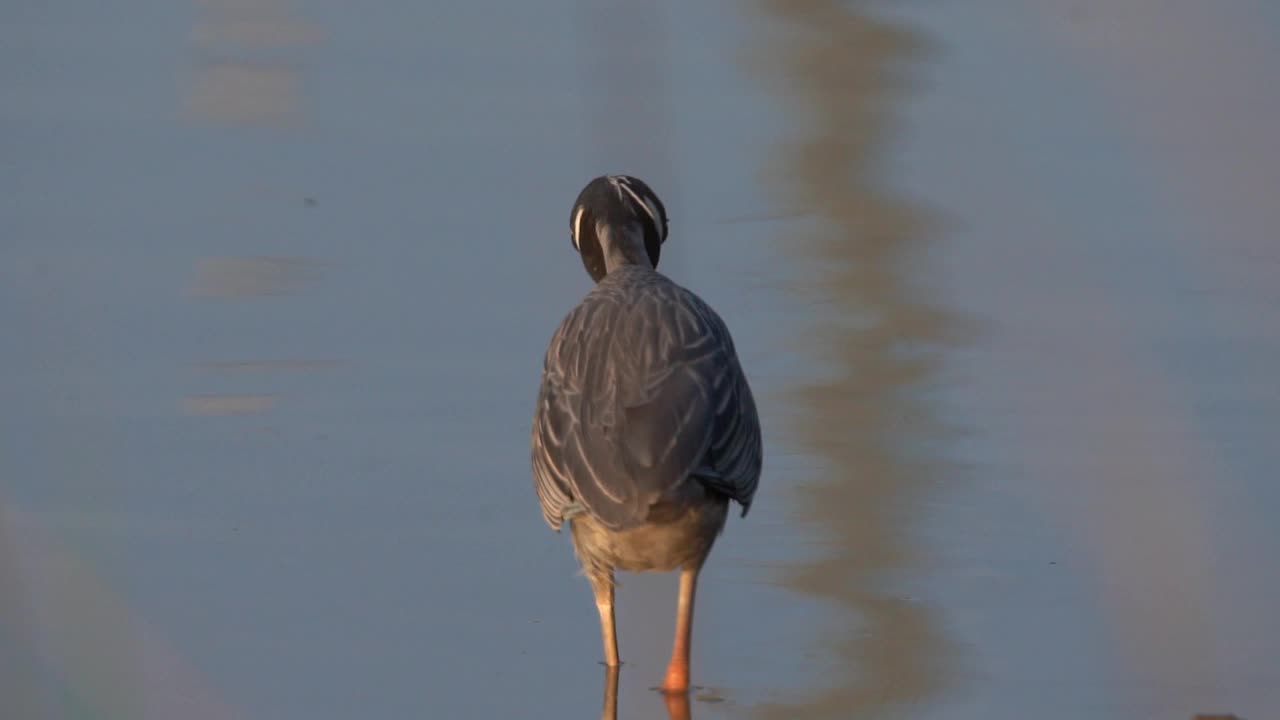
(278, 277)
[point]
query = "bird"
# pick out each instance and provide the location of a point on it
(645, 428)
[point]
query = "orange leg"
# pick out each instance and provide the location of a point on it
(677, 680)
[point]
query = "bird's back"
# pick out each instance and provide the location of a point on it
(641, 393)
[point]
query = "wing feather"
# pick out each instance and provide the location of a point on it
(641, 391)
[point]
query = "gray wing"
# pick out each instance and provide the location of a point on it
(639, 395)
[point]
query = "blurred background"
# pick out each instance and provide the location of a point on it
(276, 277)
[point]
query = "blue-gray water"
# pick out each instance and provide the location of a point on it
(276, 279)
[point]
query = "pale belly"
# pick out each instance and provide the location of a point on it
(675, 538)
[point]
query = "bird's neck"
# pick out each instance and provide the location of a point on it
(622, 245)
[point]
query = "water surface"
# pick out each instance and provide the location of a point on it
(278, 277)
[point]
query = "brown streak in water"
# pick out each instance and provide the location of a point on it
(269, 32)
(245, 93)
(837, 70)
(212, 404)
(237, 89)
(252, 276)
(250, 366)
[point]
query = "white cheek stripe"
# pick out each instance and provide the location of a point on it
(577, 225)
(653, 212)
(645, 203)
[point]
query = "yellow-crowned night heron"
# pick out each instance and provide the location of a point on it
(645, 427)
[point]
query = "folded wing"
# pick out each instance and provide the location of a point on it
(639, 395)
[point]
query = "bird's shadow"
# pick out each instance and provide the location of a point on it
(677, 703)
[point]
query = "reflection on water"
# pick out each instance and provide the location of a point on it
(238, 80)
(225, 404)
(231, 367)
(155, 565)
(72, 645)
(677, 704)
(246, 77)
(869, 422)
(251, 277)
(245, 93)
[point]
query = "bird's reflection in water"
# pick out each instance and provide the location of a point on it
(677, 703)
(874, 422)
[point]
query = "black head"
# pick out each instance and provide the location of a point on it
(625, 208)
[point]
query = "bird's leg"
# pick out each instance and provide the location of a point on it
(603, 587)
(678, 670)
(610, 711)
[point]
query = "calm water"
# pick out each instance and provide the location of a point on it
(278, 277)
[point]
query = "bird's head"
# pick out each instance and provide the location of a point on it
(617, 220)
